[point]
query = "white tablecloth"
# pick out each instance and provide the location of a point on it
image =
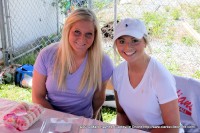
(78, 124)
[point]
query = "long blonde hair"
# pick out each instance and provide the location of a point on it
(64, 61)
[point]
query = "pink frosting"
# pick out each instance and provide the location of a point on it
(23, 116)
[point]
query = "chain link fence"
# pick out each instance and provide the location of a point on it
(174, 27)
(29, 25)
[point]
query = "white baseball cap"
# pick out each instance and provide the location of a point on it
(132, 27)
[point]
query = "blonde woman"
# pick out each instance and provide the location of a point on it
(71, 75)
(145, 91)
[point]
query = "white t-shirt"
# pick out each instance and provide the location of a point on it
(141, 104)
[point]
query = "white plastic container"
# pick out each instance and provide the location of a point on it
(56, 125)
(27, 81)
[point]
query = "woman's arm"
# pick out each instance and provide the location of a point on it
(98, 99)
(39, 90)
(122, 118)
(171, 117)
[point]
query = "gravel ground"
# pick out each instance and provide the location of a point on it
(186, 58)
(179, 58)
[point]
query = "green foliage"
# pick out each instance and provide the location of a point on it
(176, 13)
(196, 74)
(155, 23)
(28, 59)
(169, 36)
(108, 113)
(196, 24)
(7, 78)
(99, 4)
(31, 57)
(193, 11)
(53, 36)
(188, 40)
(167, 8)
(174, 68)
(64, 5)
(43, 42)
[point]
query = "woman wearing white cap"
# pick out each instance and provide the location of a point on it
(145, 91)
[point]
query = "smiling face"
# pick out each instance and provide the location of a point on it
(130, 48)
(81, 36)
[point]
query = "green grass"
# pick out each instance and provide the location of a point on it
(155, 22)
(15, 93)
(196, 25)
(108, 113)
(173, 67)
(176, 14)
(196, 74)
(192, 11)
(188, 40)
(167, 8)
(99, 4)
